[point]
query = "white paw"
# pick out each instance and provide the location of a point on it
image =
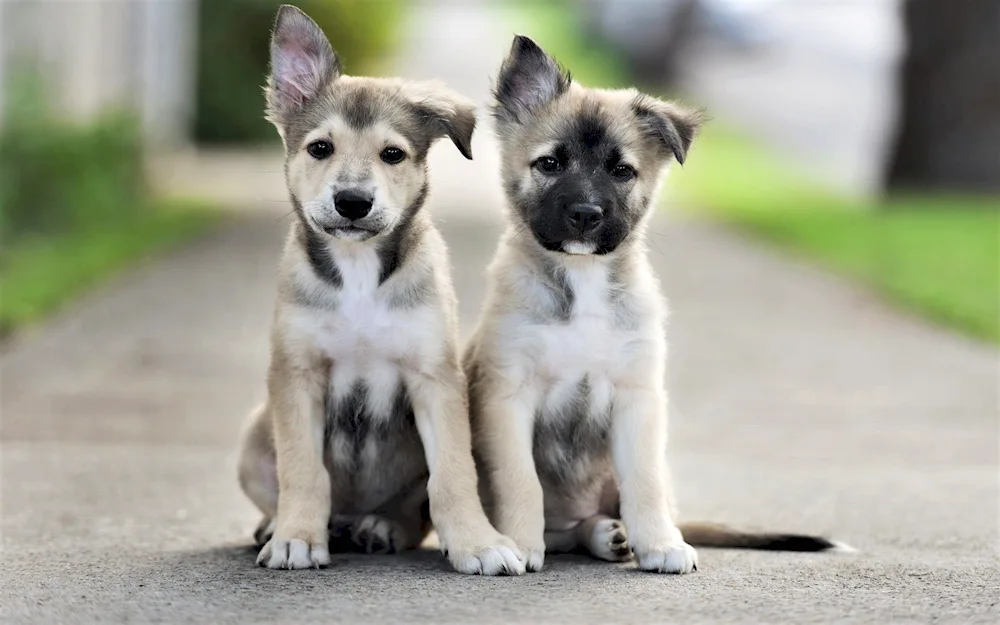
(489, 555)
(293, 554)
(376, 534)
(677, 558)
(609, 541)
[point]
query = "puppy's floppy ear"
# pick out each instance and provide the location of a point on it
(669, 124)
(302, 63)
(529, 79)
(444, 112)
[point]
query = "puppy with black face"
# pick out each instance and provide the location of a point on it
(581, 165)
(364, 437)
(566, 368)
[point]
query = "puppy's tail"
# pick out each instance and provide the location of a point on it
(713, 535)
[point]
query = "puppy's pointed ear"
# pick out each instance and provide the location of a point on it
(529, 79)
(302, 63)
(444, 113)
(672, 126)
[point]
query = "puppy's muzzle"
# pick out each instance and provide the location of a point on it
(582, 218)
(352, 205)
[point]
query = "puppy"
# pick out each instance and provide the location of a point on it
(566, 368)
(366, 417)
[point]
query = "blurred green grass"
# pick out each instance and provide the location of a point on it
(234, 50)
(937, 254)
(74, 206)
(556, 26)
(40, 273)
(934, 254)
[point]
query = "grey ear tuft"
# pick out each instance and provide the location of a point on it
(529, 79)
(302, 63)
(671, 125)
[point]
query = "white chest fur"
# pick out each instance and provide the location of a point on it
(591, 344)
(366, 338)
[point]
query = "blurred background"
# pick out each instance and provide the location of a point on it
(829, 249)
(864, 134)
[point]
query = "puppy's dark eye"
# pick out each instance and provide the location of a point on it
(623, 171)
(320, 149)
(548, 165)
(393, 155)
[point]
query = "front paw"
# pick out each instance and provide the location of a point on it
(677, 558)
(293, 553)
(490, 553)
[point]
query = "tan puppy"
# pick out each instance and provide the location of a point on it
(366, 416)
(566, 367)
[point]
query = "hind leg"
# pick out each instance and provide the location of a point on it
(258, 472)
(264, 531)
(376, 533)
(591, 525)
(600, 536)
(605, 538)
(561, 541)
(401, 524)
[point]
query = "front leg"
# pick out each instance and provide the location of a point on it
(300, 531)
(440, 407)
(506, 436)
(639, 450)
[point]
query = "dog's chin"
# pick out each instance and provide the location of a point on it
(572, 247)
(349, 233)
(578, 248)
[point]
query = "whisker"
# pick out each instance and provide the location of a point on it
(655, 246)
(651, 237)
(659, 234)
(518, 231)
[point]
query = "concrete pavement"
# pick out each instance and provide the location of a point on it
(800, 403)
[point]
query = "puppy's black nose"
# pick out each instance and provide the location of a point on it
(352, 204)
(583, 218)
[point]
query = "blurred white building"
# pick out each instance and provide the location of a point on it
(95, 54)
